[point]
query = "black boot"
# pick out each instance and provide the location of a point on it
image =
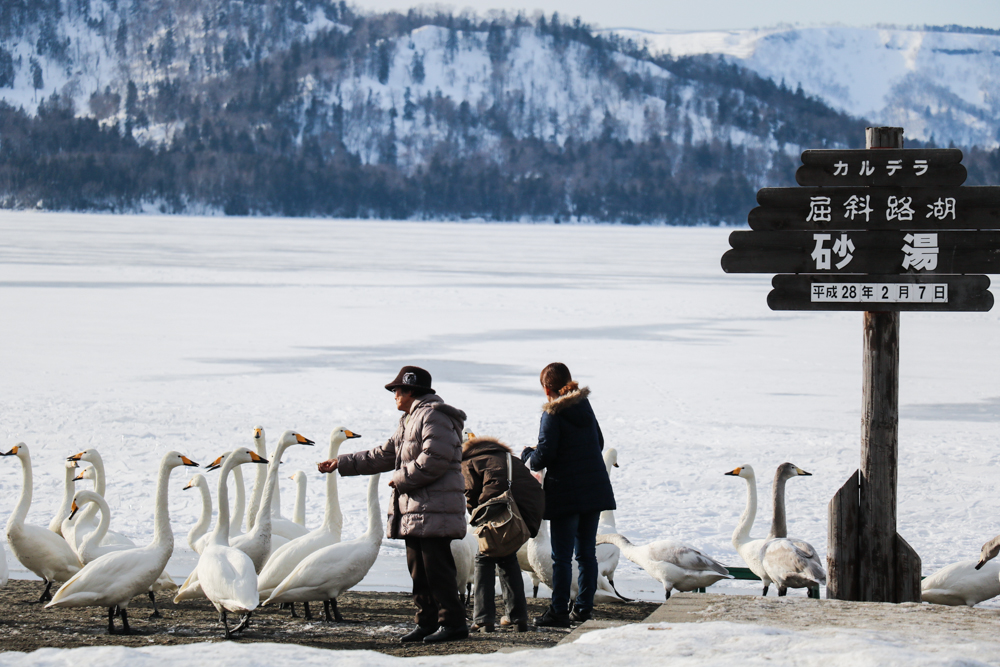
(417, 634)
(552, 619)
(580, 615)
(446, 634)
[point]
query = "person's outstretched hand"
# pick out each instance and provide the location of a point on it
(327, 466)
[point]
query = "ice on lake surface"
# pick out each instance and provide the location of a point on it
(137, 335)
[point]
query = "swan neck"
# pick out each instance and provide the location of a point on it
(742, 532)
(607, 518)
(69, 490)
(221, 533)
(270, 489)
(299, 516)
(333, 518)
(374, 511)
(241, 500)
(621, 542)
(163, 537)
(205, 520)
(94, 538)
(258, 485)
(779, 525)
(100, 483)
(24, 502)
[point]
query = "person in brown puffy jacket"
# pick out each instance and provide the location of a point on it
(484, 465)
(428, 502)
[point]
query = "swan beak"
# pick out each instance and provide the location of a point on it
(257, 433)
(302, 440)
(189, 485)
(980, 564)
(12, 452)
(292, 477)
(352, 434)
(803, 472)
(471, 436)
(257, 458)
(74, 508)
(189, 462)
(615, 464)
(214, 465)
(75, 457)
(735, 473)
(78, 477)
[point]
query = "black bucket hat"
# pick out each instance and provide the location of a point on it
(412, 377)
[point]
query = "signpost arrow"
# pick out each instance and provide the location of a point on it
(924, 167)
(877, 208)
(883, 293)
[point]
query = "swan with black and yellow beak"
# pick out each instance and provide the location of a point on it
(113, 579)
(38, 549)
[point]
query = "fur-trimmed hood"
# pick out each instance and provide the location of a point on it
(484, 445)
(566, 401)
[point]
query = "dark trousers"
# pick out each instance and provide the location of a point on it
(511, 584)
(435, 582)
(568, 533)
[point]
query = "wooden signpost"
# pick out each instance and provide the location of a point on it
(879, 231)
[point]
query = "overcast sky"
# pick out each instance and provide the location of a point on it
(734, 14)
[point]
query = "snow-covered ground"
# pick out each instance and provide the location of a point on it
(717, 644)
(137, 335)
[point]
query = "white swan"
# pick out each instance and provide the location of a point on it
(81, 530)
(259, 446)
(38, 549)
(284, 559)
(299, 516)
(749, 547)
(257, 542)
(464, 552)
(91, 548)
(114, 579)
(608, 553)
(334, 569)
(788, 563)
(280, 525)
(198, 535)
(962, 583)
(673, 564)
(87, 521)
(4, 575)
(540, 557)
(225, 574)
(69, 488)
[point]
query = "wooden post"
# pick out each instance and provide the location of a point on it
(867, 559)
(842, 542)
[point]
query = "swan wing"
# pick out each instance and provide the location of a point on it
(962, 584)
(43, 552)
(287, 529)
(112, 579)
(684, 556)
(327, 572)
(228, 578)
(792, 562)
(284, 559)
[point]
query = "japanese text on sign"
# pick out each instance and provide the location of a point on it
(878, 293)
(919, 168)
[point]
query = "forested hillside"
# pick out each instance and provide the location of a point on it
(313, 108)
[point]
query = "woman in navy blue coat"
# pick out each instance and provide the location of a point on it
(577, 490)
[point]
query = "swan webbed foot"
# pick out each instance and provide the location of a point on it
(156, 612)
(47, 593)
(244, 623)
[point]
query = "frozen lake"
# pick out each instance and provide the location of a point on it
(137, 335)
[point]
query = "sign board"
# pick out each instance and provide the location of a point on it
(881, 293)
(897, 167)
(877, 208)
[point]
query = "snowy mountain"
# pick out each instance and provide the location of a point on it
(940, 85)
(307, 107)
